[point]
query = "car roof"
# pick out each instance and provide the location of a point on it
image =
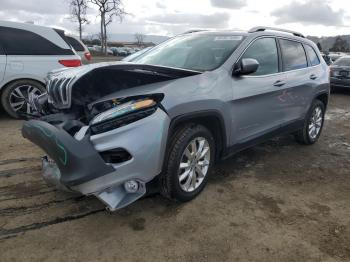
(46, 32)
(268, 32)
(223, 32)
(20, 25)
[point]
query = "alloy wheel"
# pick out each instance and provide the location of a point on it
(316, 122)
(194, 164)
(20, 98)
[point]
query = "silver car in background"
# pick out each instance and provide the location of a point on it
(80, 48)
(114, 130)
(340, 73)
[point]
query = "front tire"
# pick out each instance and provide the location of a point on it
(15, 97)
(313, 124)
(190, 158)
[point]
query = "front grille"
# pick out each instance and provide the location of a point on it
(58, 91)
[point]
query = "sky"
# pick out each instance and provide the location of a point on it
(171, 17)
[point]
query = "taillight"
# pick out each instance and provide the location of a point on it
(70, 62)
(87, 56)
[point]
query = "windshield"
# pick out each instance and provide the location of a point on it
(200, 52)
(343, 61)
(133, 56)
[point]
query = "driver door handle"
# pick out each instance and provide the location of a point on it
(313, 77)
(279, 83)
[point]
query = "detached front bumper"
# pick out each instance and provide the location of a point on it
(77, 163)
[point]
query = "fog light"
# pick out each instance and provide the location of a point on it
(131, 186)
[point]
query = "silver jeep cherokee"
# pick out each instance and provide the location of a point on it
(114, 129)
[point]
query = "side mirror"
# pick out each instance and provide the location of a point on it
(246, 66)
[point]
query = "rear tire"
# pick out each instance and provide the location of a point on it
(14, 98)
(313, 124)
(186, 171)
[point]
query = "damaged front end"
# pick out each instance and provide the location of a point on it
(99, 139)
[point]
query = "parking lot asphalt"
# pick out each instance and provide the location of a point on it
(279, 201)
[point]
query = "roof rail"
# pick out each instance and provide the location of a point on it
(264, 28)
(194, 31)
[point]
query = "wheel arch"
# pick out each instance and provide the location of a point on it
(323, 97)
(210, 119)
(6, 84)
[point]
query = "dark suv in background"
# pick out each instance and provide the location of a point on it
(340, 73)
(110, 129)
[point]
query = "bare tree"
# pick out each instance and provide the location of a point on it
(140, 38)
(108, 9)
(78, 14)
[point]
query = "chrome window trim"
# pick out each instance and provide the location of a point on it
(274, 74)
(281, 73)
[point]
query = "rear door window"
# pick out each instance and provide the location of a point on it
(264, 50)
(75, 44)
(314, 60)
(1, 50)
(22, 42)
(293, 55)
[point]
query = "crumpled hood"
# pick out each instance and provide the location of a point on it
(86, 84)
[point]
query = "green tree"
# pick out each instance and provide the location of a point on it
(340, 45)
(319, 46)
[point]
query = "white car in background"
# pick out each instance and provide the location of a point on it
(27, 53)
(80, 48)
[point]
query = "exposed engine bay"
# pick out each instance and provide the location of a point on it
(81, 95)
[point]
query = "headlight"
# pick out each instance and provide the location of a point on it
(122, 110)
(122, 114)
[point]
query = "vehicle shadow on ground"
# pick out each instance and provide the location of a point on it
(237, 164)
(341, 91)
(4, 116)
(53, 202)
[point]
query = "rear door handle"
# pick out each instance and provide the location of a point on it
(313, 77)
(279, 83)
